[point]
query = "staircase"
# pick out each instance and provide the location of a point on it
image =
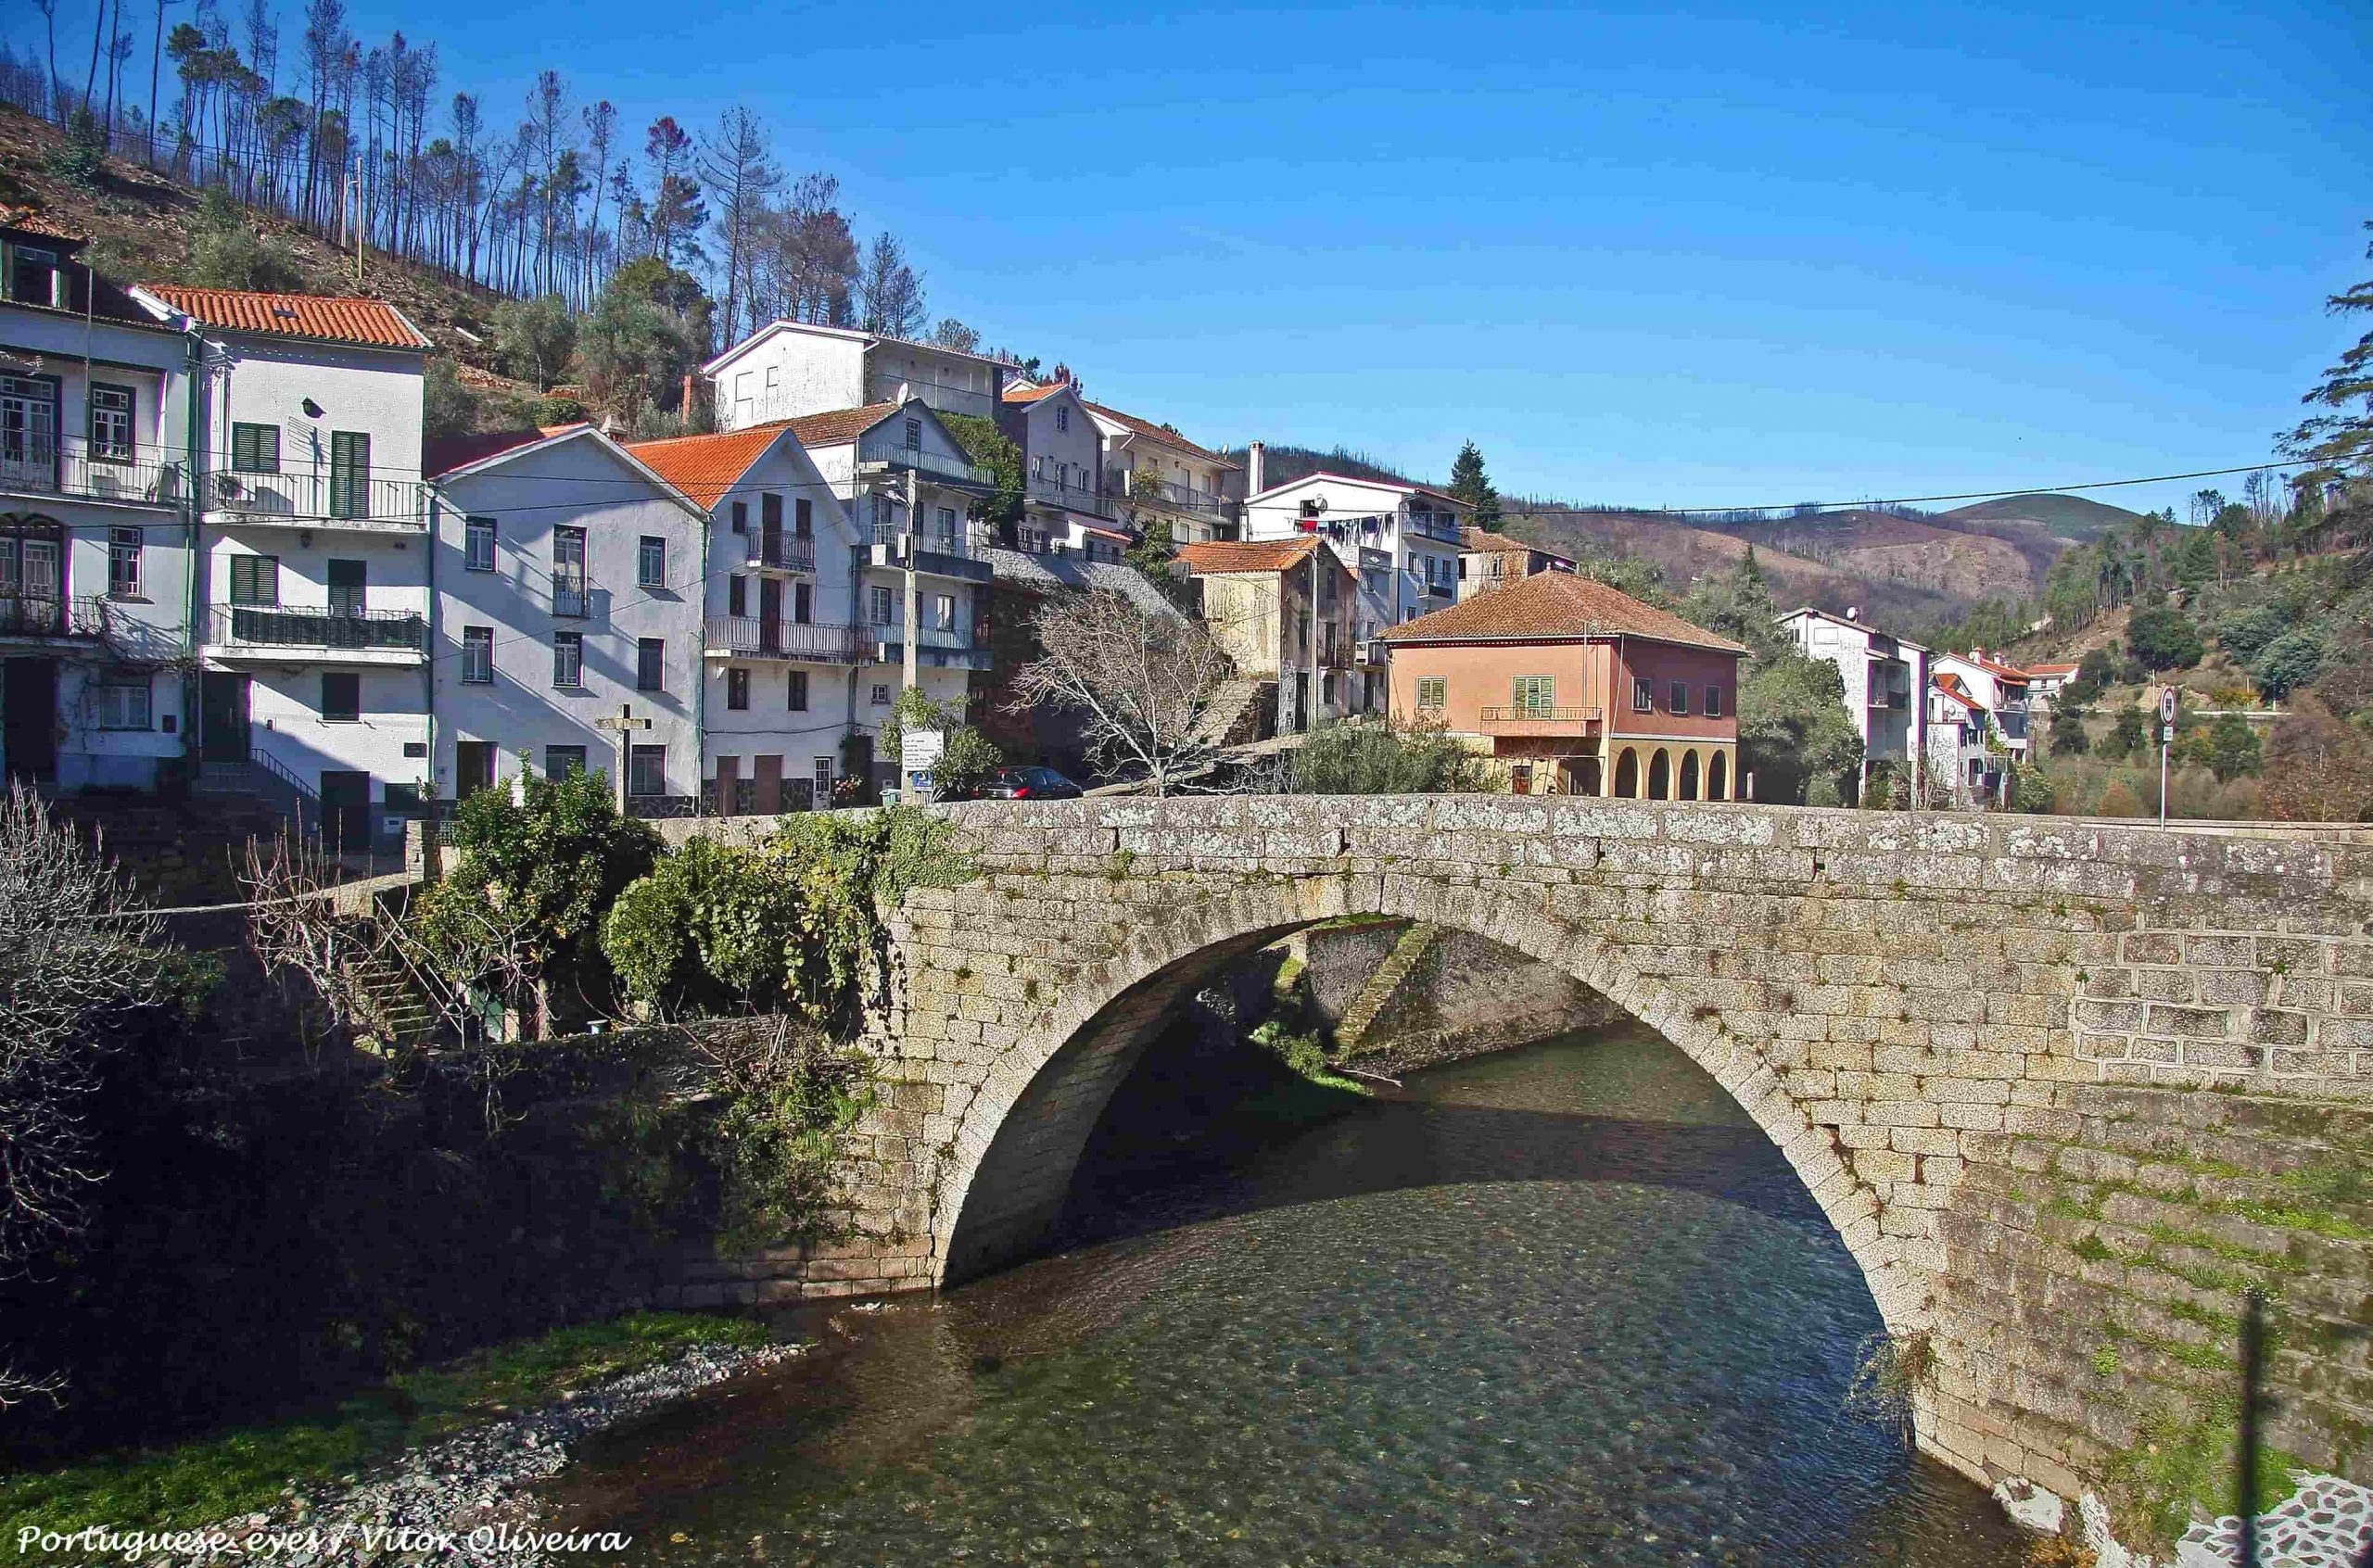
(1234, 715)
(397, 1013)
(264, 777)
(1351, 1029)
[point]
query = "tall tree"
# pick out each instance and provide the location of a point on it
(892, 291)
(1470, 484)
(2337, 444)
(676, 213)
(737, 168)
(953, 333)
(601, 134)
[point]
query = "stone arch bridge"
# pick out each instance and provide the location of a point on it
(2054, 1081)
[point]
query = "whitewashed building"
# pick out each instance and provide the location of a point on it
(1153, 474)
(788, 368)
(782, 652)
(1065, 504)
(95, 522)
(2000, 688)
(313, 545)
(1886, 681)
(569, 582)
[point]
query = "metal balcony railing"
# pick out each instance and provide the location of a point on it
(34, 615)
(1145, 490)
(1050, 487)
(572, 596)
(1565, 717)
(932, 541)
(814, 642)
(1375, 653)
(882, 449)
(784, 552)
(267, 625)
(319, 498)
(70, 466)
(1435, 526)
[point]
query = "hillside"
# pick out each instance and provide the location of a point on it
(1283, 462)
(1919, 552)
(142, 225)
(2070, 518)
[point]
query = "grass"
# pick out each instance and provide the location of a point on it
(243, 1468)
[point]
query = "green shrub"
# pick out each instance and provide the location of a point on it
(80, 158)
(1383, 758)
(2163, 638)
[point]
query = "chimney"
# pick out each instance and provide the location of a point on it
(1252, 464)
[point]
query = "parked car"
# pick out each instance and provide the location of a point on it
(1029, 784)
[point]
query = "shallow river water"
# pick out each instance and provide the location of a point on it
(1560, 1305)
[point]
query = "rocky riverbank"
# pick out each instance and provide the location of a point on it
(465, 1500)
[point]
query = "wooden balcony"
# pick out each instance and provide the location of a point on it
(1551, 722)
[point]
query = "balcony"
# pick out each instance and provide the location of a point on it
(782, 553)
(947, 648)
(43, 615)
(1375, 654)
(877, 452)
(937, 552)
(1553, 723)
(139, 476)
(572, 598)
(806, 642)
(1144, 490)
(1051, 488)
(1439, 526)
(316, 634)
(318, 500)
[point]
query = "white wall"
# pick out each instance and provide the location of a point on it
(267, 382)
(786, 370)
(1416, 559)
(579, 481)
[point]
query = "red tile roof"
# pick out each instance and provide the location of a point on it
(2053, 669)
(442, 454)
(24, 220)
(1551, 606)
(836, 425)
(1031, 394)
(1952, 689)
(1221, 557)
(1483, 538)
(705, 467)
(1160, 433)
(373, 321)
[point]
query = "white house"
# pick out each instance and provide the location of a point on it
(1886, 680)
(313, 543)
(1958, 727)
(781, 651)
(569, 581)
(787, 369)
(1062, 452)
(94, 522)
(1154, 473)
(874, 458)
(1998, 687)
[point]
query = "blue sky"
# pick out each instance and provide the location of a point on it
(1712, 256)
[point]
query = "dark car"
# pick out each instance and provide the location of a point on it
(1029, 784)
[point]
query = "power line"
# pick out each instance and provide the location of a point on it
(1903, 500)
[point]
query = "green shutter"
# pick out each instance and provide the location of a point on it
(255, 579)
(349, 473)
(255, 448)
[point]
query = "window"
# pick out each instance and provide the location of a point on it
(110, 433)
(942, 612)
(803, 602)
(651, 564)
(823, 781)
(255, 579)
(255, 448)
(740, 517)
(478, 544)
(881, 693)
(478, 655)
(1680, 697)
(914, 435)
(646, 771)
(798, 692)
(1535, 694)
(1063, 419)
(348, 585)
(1433, 692)
(650, 661)
(877, 598)
(947, 521)
(770, 513)
(737, 688)
(341, 698)
(737, 595)
(568, 572)
(349, 473)
(36, 278)
(774, 377)
(803, 518)
(1643, 697)
(881, 511)
(124, 562)
(561, 761)
(1713, 702)
(568, 659)
(124, 704)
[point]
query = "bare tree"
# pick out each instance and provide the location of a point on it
(738, 167)
(892, 291)
(1141, 681)
(77, 949)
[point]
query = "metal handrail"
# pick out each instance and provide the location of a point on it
(1072, 497)
(939, 465)
(823, 642)
(1510, 715)
(301, 626)
(787, 552)
(320, 498)
(933, 541)
(71, 465)
(572, 598)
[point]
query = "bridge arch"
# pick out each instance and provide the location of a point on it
(1008, 1172)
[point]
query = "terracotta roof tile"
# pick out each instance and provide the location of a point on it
(1220, 557)
(836, 425)
(1031, 394)
(373, 321)
(705, 467)
(2053, 669)
(1160, 433)
(1483, 538)
(24, 220)
(442, 454)
(1554, 604)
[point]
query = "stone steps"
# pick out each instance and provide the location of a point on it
(1233, 716)
(1351, 1029)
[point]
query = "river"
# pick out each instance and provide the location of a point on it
(1562, 1304)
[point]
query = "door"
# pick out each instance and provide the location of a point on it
(348, 583)
(30, 728)
(346, 810)
(349, 473)
(29, 430)
(223, 713)
(768, 799)
(770, 614)
(729, 781)
(472, 767)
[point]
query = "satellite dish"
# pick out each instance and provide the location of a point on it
(1318, 507)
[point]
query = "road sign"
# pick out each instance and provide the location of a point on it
(919, 748)
(2167, 705)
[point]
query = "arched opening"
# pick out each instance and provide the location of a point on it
(1660, 776)
(1581, 776)
(1627, 775)
(1718, 777)
(1689, 775)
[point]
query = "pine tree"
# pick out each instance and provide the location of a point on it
(2340, 442)
(1468, 483)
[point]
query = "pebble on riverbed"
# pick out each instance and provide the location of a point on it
(481, 1476)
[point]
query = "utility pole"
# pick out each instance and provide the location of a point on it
(914, 594)
(2166, 738)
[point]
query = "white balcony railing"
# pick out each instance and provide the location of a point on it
(320, 498)
(814, 642)
(882, 449)
(72, 466)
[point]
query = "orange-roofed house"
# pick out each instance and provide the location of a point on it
(1490, 561)
(1064, 503)
(1999, 687)
(1284, 611)
(1160, 479)
(1570, 687)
